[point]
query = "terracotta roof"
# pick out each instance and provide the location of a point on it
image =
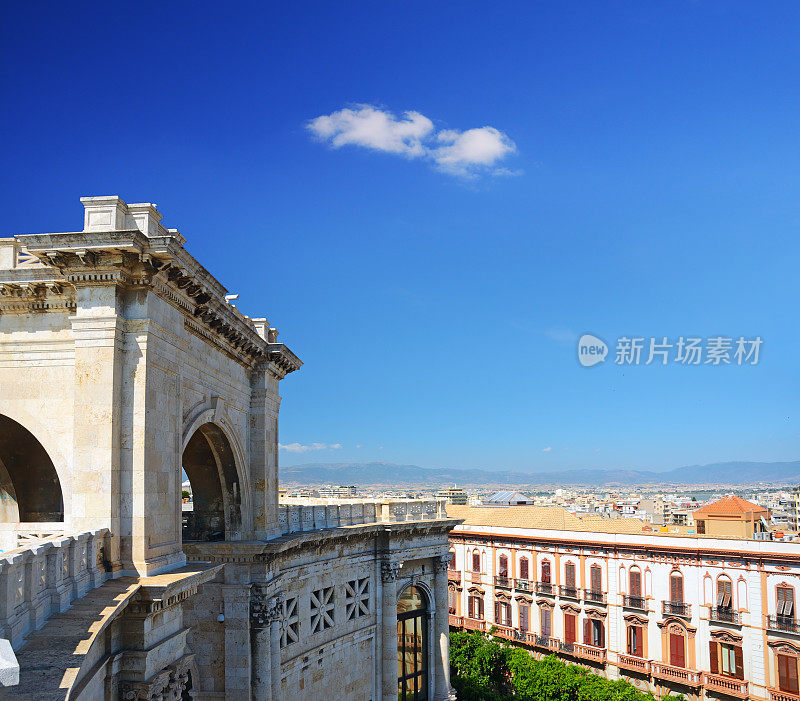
(729, 506)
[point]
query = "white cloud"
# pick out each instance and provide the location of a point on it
(300, 448)
(463, 153)
(547, 449)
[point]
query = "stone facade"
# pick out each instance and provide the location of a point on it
(121, 362)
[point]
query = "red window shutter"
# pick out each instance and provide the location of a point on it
(712, 656)
(676, 588)
(587, 631)
(737, 651)
(503, 566)
(569, 572)
(631, 641)
(792, 675)
(636, 583)
(523, 568)
(783, 672)
(546, 571)
(470, 607)
(476, 562)
(602, 634)
(677, 657)
(640, 642)
(497, 612)
(480, 607)
(569, 628)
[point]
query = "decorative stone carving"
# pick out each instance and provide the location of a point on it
(167, 685)
(390, 569)
(261, 607)
(441, 563)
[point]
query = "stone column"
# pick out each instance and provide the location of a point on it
(441, 630)
(389, 572)
(275, 616)
(260, 644)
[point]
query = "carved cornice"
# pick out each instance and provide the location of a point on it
(265, 609)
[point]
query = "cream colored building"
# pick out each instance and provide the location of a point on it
(122, 363)
(708, 617)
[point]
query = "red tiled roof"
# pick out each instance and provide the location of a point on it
(729, 506)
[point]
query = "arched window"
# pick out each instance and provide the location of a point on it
(502, 568)
(523, 568)
(412, 645)
(476, 561)
(677, 648)
(452, 564)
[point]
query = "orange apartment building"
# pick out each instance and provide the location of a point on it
(712, 617)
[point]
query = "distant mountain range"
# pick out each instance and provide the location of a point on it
(382, 473)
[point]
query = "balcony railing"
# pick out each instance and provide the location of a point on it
(570, 592)
(456, 621)
(676, 608)
(545, 588)
(510, 633)
(454, 575)
(590, 652)
(523, 585)
(726, 685)
(778, 695)
(637, 664)
(724, 615)
(502, 581)
(679, 675)
(783, 623)
(473, 624)
(475, 577)
(594, 597)
(634, 602)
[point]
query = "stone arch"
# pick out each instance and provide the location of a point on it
(30, 488)
(209, 461)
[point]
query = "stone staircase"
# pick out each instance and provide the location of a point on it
(50, 658)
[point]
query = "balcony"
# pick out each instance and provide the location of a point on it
(726, 685)
(676, 608)
(634, 602)
(546, 588)
(778, 695)
(475, 577)
(473, 624)
(456, 621)
(545, 641)
(523, 585)
(591, 596)
(590, 652)
(570, 592)
(633, 663)
(454, 575)
(724, 615)
(502, 581)
(783, 624)
(678, 675)
(510, 633)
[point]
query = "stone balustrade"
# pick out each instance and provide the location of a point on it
(44, 577)
(728, 686)
(300, 515)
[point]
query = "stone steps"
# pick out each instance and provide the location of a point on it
(51, 657)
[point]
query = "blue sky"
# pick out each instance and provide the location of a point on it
(638, 176)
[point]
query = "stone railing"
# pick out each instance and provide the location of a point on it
(474, 624)
(689, 677)
(726, 685)
(637, 664)
(590, 652)
(300, 515)
(778, 695)
(42, 578)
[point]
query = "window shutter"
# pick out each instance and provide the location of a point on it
(546, 571)
(677, 656)
(783, 672)
(631, 641)
(497, 612)
(780, 593)
(597, 578)
(503, 566)
(635, 583)
(792, 674)
(569, 572)
(523, 617)
(470, 607)
(476, 562)
(480, 607)
(640, 643)
(676, 588)
(523, 568)
(712, 656)
(569, 628)
(546, 628)
(587, 631)
(737, 651)
(602, 634)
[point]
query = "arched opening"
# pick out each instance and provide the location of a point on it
(30, 490)
(214, 511)
(412, 645)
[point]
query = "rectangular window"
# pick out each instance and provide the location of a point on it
(636, 641)
(724, 594)
(727, 659)
(476, 562)
(546, 571)
(785, 596)
(475, 607)
(503, 566)
(635, 581)
(598, 634)
(547, 624)
(523, 569)
(677, 653)
(676, 588)
(290, 633)
(569, 628)
(569, 575)
(787, 674)
(322, 614)
(356, 598)
(597, 578)
(524, 613)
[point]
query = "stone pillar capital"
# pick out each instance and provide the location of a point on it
(390, 569)
(441, 563)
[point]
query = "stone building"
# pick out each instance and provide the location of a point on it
(709, 617)
(122, 365)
